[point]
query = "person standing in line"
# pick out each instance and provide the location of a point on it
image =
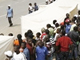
(63, 43)
(25, 50)
(30, 9)
(17, 55)
(10, 15)
(41, 51)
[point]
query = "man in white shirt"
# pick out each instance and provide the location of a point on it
(72, 25)
(30, 8)
(17, 55)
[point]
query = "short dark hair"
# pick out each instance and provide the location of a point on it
(19, 36)
(38, 33)
(10, 34)
(54, 21)
(57, 24)
(48, 25)
(30, 3)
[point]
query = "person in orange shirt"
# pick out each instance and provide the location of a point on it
(18, 41)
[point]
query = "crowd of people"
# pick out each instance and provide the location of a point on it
(61, 40)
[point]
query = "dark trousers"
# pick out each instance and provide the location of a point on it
(64, 55)
(9, 20)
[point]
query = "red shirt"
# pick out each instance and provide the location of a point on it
(64, 43)
(43, 34)
(29, 48)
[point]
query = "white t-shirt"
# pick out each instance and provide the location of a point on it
(31, 8)
(56, 36)
(72, 27)
(19, 56)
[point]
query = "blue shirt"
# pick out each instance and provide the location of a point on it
(68, 28)
(9, 12)
(36, 8)
(26, 52)
(41, 53)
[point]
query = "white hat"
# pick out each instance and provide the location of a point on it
(9, 5)
(8, 53)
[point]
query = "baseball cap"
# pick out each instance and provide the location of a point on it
(8, 53)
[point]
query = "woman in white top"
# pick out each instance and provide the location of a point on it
(30, 8)
(17, 55)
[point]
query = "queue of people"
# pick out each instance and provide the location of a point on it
(61, 40)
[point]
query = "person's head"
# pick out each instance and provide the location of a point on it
(54, 21)
(23, 45)
(35, 4)
(75, 28)
(47, 31)
(38, 34)
(67, 15)
(8, 54)
(63, 32)
(19, 36)
(29, 31)
(43, 30)
(30, 4)
(57, 25)
(58, 30)
(16, 49)
(29, 34)
(41, 44)
(78, 12)
(48, 26)
(29, 41)
(9, 6)
(10, 34)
